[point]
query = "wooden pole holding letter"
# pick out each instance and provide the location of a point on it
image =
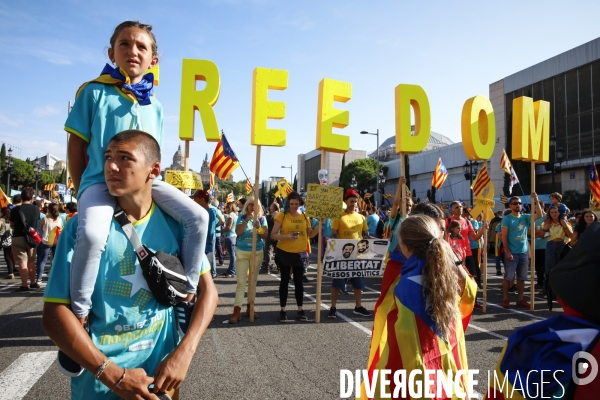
(253, 271)
(402, 191)
(532, 243)
(319, 259)
(484, 269)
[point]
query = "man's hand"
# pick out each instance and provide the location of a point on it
(509, 256)
(172, 370)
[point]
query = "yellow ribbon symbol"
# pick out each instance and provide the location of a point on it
(484, 203)
(331, 246)
(283, 188)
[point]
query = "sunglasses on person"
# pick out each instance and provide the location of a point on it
(515, 204)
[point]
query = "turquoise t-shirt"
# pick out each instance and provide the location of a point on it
(99, 113)
(127, 324)
(518, 228)
(212, 226)
(476, 226)
(218, 227)
(393, 232)
(327, 228)
(244, 241)
(540, 243)
(372, 221)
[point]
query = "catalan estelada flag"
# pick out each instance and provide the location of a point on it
(224, 160)
(594, 184)
(481, 181)
(404, 335)
(4, 200)
(505, 162)
(548, 345)
(439, 175)
(248, 186)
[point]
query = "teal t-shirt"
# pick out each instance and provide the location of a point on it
(393, 232)
(244, 241)
(476, 226)
(518, 229)
(127, 324)
(540, 243)
(372, 221)
(218, 227)
(99, 113)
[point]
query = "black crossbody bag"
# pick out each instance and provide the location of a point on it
(163, 272)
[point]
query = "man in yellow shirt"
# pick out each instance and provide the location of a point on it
(352, 225)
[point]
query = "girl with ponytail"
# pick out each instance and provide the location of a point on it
(434, 300)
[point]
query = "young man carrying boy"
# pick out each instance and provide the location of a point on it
(132, 341)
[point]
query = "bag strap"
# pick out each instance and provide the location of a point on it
(130, 232)
(25, 226)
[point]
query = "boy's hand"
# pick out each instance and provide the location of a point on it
(135, 385)
(172, 370)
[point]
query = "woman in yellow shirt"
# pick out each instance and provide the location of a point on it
(292, 229)
(558, 229)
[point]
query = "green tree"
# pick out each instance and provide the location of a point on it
(576, 200)
(3, 157)
(364, 173)
(295, 185)
(343, 163)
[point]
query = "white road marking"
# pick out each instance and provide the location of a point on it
(499, 336)
(342, 316)
(20, 376)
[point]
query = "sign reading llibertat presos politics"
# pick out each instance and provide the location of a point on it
(352, 258)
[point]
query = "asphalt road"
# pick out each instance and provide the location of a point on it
(260, 360)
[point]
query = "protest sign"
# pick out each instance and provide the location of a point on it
(183, 179)
(352, 258)
(324, 201)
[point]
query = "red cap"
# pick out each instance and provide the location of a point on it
(351, 193)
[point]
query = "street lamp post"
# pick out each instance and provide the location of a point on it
(381, 183)
(37, 173)
(470, 169)
(377, 161)
(353, 183)
(9, 168)
(290, 167)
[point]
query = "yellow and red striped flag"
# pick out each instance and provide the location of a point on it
(361, 204)
(248, 186)
(388, 196)
(594, 184)
(70, 184)
(224, 160)
(439, 175)
(4, 200)
(49, 186)
(405, 338)
(368, 195)
(211, 181)
(481, 181)
(505, 162)
(230, 198)
(407, 192)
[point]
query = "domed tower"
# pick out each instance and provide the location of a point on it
(178, 158)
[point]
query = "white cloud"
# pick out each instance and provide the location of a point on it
(45, 111)
(4, 120)
(53, 51)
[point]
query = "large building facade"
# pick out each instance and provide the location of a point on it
(571, 83)
(309, 165)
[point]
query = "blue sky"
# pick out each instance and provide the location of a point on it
(454, 51)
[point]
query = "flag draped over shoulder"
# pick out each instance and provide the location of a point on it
(481, 181)
(439, 175)
(224, 160)
(4, 200)
(405, 336)
(594, 184)
(505, 162)
(545, 345)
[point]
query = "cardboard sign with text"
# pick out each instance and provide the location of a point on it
(324, 201)
(182, 179)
